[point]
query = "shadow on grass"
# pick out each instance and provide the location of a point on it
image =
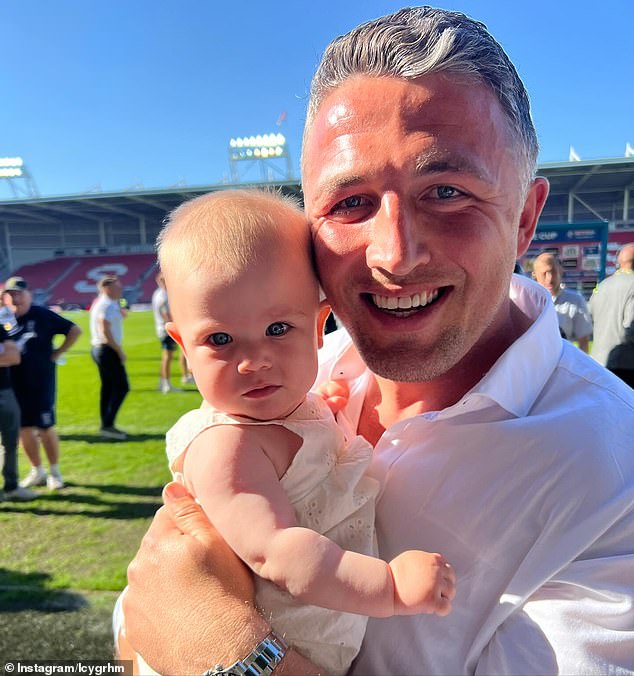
(97, 439)
(27, 591)
(119, 489)
(120, 510)
(47, 624)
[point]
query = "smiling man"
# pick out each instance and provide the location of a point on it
(418, 174)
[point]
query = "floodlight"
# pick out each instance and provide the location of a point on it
(10, 172)
(264, 150)
(11, 162)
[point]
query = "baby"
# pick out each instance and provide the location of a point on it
(267, 461)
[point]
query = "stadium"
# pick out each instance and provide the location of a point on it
(62, 245)
(65, 554)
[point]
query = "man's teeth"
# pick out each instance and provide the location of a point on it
(405, 302)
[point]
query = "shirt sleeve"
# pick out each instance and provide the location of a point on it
(60, 324)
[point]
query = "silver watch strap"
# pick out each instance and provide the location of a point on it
(262, 661)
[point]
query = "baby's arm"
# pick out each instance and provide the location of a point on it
(228, 470)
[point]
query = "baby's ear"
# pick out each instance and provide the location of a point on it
(171, 329)
(324, 311)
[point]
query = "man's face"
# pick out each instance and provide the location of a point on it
(113, 290)
(547, 273)
(20, 301)
(418, 214)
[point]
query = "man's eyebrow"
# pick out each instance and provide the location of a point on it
(434, 163)
(339, 183)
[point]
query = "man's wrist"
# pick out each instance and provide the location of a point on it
(240, 634)
(261, 661)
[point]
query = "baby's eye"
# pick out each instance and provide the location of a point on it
(277, 329)
(220, 339)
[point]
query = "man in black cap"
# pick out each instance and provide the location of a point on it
(34, 379)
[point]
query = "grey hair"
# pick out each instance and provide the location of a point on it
(417, 41)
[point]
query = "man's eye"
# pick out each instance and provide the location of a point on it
(277, 329)
(220, 339)
(350, 203)
(445, 192)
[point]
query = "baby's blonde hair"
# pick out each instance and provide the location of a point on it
(229, 230)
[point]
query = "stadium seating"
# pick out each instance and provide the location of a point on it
(72, 281)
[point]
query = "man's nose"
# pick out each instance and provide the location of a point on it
(398, 240)
(256, 359)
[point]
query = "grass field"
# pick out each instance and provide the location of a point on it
(63, 557)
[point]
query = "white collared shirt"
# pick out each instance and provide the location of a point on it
(526, 485)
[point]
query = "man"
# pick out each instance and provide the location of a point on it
(106, 338)
(34, 379)
(9, 413)
(162, 315)
(418, 163)
(575, 323)
(612, 308)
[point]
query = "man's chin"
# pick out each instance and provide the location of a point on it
(407, 362)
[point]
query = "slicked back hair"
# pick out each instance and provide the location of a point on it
(418, 41)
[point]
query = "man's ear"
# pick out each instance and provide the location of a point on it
(533, 205)
(324, 311)
(172, 331)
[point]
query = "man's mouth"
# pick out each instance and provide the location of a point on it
(403, 306)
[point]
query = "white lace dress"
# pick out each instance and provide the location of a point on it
(327, 486)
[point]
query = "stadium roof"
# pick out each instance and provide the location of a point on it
(589, 176)
(97, 207)
(585, 190)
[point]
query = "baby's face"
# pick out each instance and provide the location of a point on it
(251, 342)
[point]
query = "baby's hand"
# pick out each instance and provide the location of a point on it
(423, 583)
(335, 393)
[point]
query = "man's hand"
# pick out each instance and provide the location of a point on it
(189, 603)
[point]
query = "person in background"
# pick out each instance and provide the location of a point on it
(162, 315)
(106, 338)
(496, 442)
(34, 379)
(9, 411)
(575, 323)
(612, 308)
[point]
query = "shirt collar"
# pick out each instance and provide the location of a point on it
(521, 372)
(516, 378)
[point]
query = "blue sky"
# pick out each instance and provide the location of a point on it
(129, 93)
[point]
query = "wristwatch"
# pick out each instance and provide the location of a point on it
(268, 653)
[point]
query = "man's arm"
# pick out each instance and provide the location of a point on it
(189, 604)
(69, 341)
(110, 341)
(584, 344)
(10, 354)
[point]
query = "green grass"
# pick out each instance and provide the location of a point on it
(63, 557)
